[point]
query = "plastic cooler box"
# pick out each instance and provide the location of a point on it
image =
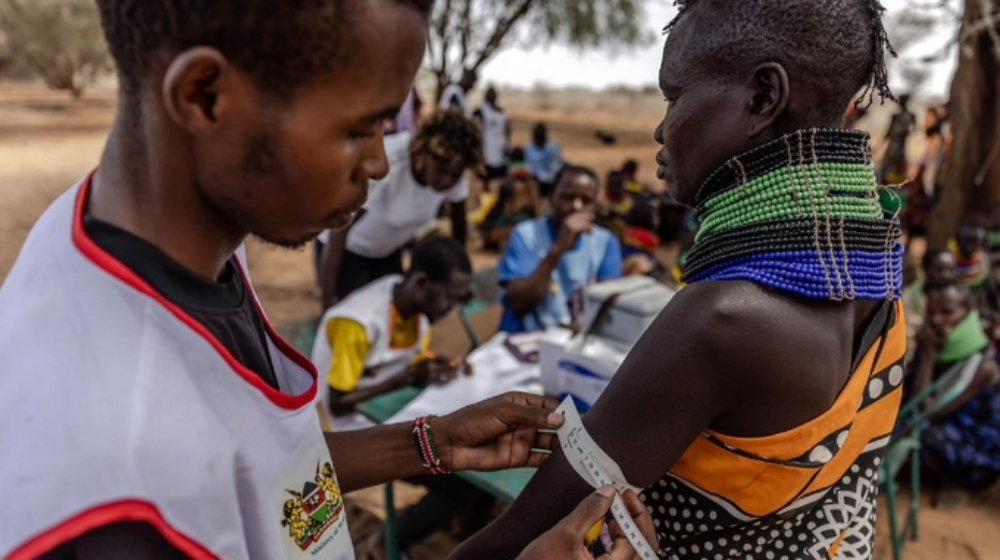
(640, 300)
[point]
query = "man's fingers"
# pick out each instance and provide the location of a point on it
(541, 401)
(591, 510)
(529, 417)
(548, 442)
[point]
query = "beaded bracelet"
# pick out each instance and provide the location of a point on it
(425, 446)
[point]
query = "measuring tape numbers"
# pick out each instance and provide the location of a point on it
(598, 469)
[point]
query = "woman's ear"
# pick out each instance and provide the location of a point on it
(769, 98)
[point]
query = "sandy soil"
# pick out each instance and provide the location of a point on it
(48, 142)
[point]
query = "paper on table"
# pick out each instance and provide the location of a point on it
(495, 372)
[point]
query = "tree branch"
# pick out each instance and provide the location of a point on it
(504, 25)
(466, 31)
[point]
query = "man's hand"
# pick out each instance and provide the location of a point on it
(572, 228)
(498, 434)
(566, 540)
(439, 371)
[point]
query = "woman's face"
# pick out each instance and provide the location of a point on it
(946, 308)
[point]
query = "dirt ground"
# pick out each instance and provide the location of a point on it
(47, 142)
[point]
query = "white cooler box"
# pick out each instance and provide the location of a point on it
(580, 367)
(640, 300)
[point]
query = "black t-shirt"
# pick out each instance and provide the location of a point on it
(225, 308)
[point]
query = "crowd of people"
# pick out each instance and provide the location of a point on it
(556, 229)
(952, 299)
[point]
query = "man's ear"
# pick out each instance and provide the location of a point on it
(420, 280)
(199, 88)
(769, 97)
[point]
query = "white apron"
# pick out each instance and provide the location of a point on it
(117, 406)
(371, 307)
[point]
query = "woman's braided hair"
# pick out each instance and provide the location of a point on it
(834, 44)
(449, 137)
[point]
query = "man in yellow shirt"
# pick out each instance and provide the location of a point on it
(375, 341)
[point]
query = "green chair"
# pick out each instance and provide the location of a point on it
(914, 416)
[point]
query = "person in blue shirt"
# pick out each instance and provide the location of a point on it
(550, 260)
(544, 159)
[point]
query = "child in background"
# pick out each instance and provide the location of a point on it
(962, 442)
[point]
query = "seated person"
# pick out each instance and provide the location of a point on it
(371, 343)
(974, 267)
(631, 217)
(630, 174)
(618, 200)
(517, 202)
(550, 260)
(969, 249)
(634, 220)
(938, 268)
(426, 169)
(962, 442)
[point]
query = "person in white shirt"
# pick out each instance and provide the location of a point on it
(409, 114)
(455, 96)
(426, 169)
(376, 340)
(496, 138)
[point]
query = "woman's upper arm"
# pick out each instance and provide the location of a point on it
(668, 391)
(661, 399)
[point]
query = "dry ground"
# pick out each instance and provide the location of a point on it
(48, 142)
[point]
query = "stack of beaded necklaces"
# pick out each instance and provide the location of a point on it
(800, 215)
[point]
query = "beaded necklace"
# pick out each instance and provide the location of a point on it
(800, 215)
(973, 271)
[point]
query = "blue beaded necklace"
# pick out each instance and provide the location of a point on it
(800, 215)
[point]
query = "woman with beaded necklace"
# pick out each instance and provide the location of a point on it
(756, 409)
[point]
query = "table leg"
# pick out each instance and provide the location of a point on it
(391, 540)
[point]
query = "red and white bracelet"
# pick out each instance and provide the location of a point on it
(425, 446)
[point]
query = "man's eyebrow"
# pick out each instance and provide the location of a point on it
(387, 113)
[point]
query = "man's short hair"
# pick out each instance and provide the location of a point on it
(568, 170)
(831, 48)
(280, 43)
(438, 258)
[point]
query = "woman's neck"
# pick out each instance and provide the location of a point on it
(799, 214)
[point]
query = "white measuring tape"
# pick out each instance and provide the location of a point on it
(598, 469)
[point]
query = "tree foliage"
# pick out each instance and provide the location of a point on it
(59, 41)
(465, 34)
